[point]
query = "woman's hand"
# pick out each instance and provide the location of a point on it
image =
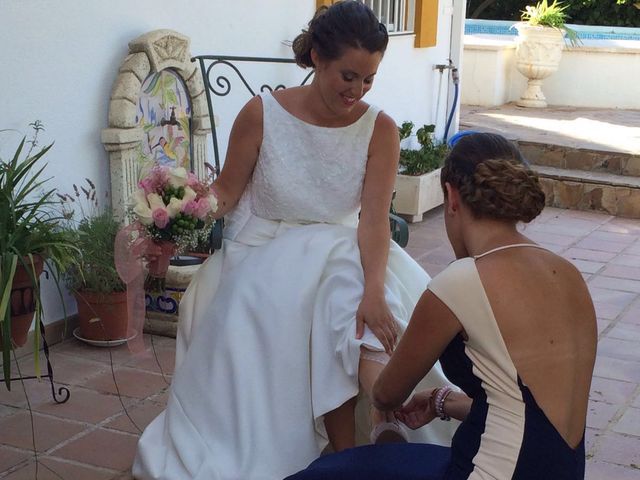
(374, 312)
(419, 411)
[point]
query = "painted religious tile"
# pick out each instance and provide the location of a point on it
(164, 113)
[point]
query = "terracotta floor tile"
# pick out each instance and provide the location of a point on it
(614, 297)
(597, 470)
(616, 237)
(616, 369)
(632, 261)
(602, 325)
(621, 284)
(35, 389)
(591, 439)
(620, 271)
(611, 391)
(601, 245)
(620, 449)
(629, 423)
(585, 266)
(622, 349)
(16, 431)
(75, 370)
(166, 358)
(552, 229)
(5, 411)
(632, 315)
(102, 448)
(440, 256)
(621, 225)
(584, 254)
(626, 331)
(141, 414)
(55, 469)
(599, 414)
(10, 457)
(84, 405)
(131, 382)
(608, 311)
(552, 238)
(633, 249)
(118, 355)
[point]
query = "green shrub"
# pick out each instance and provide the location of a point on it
(427, 158)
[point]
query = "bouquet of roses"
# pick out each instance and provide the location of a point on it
(175, 210)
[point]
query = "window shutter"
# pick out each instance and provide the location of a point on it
(426, 23)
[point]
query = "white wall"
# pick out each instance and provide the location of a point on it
(59, 60)
(600, 74)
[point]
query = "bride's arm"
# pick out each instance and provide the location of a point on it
(373, 230)
(241, 158)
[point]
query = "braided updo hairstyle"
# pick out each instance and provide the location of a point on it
(493, 178)
(332, 29)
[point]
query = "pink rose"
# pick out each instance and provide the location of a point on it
(203, 208)
(160, 217)
(190, 207)
(192, 179)
(147, 185)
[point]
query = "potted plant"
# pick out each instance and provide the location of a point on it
(539, 47)
(94, 281)
(31, 235)
(418, 181)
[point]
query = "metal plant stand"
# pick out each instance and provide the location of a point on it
(63, 393)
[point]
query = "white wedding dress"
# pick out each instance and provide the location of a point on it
(266, 343)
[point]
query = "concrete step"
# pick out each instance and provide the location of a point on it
(588, 190)
(588, 160)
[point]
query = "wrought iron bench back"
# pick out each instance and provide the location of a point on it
(223, 87)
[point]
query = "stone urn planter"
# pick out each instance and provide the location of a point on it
(538, 52)
(418, 194)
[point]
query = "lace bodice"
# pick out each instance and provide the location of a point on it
(306, 173)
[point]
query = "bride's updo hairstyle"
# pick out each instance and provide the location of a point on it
(493, 178)
(332, 29)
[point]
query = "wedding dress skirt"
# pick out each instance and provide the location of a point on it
(266, 347)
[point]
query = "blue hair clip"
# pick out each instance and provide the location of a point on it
(463, 133)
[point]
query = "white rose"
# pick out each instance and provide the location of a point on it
(155, 201)
(178, 177)
(141, 208)
(174, 207)
(189, 194)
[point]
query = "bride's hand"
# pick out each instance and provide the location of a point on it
(374, 312)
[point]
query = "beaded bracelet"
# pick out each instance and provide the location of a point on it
(440, 396)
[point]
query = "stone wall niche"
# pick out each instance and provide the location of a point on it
(128, 136)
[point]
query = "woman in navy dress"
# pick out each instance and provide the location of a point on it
(514, 328)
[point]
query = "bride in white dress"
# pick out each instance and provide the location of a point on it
(282, 328)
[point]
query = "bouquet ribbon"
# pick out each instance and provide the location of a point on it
(131, 247)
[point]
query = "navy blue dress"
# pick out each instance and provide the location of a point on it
(505, 436)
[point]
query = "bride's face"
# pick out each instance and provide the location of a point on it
(344, 81)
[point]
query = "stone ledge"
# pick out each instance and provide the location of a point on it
(589, 191)
(588, 160)
(582, 176)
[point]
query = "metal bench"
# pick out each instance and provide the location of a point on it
(223, 86)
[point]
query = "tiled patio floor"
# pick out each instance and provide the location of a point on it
(90, 436)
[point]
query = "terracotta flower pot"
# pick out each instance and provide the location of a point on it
(102, 316)
(23, 301)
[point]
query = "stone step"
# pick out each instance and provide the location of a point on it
(591, 190)
(588, 160)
